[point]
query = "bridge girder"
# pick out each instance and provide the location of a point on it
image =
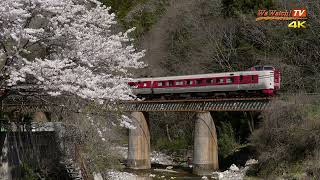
(204, 105)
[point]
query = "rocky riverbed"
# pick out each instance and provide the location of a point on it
(170, 169)
(233, 173)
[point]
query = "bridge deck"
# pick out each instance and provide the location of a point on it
(233, 104)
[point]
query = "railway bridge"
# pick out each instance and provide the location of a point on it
(205, 153)
(205, 157)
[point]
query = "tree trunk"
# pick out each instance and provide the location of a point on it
(168, 134)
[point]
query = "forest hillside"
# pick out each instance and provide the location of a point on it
(204, 36)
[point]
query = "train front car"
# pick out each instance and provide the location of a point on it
(269, 79)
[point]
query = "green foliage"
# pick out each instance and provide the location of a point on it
(233, 7)
(179, 49)
(121, 7)
(312, 111)
(28, 172)
(178, 126)
(142, 21)
(142, 17)
(226, 140)
(100, 152)
(174, 145)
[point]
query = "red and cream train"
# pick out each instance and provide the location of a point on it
(258, 80)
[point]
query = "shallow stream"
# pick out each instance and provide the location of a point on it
(162, 173)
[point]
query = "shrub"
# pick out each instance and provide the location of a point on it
(226, 139)
(28, 172)
(174, 145)
(288, 138)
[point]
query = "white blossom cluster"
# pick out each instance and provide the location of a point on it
(126, 122)
(66, 46)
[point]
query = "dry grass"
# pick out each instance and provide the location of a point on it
(288, 138)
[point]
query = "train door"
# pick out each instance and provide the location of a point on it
(242, 82)
(152, 86)
(254, 81)
(238, 80)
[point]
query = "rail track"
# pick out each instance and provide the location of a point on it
(199, 100)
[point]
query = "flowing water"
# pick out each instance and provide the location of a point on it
(162, 173)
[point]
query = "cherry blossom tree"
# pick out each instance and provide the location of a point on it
(65, 47)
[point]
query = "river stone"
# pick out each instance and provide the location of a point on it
(251, 162)
(97, 176)
(169, 167)
(233, 167)
(217, 175)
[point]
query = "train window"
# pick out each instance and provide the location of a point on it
(198, 81)
(219, 80)
(258, 68)
(189, 82)
(144, 84)
(229, 80)
(241, 78)
(170, 83)
(179, 83)
(209, 81)
(252, 78)
(160, 84)
(268, 68)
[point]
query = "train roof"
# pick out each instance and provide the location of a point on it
(197, 76)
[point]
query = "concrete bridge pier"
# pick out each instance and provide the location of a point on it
(205, 153)
(139, 143)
